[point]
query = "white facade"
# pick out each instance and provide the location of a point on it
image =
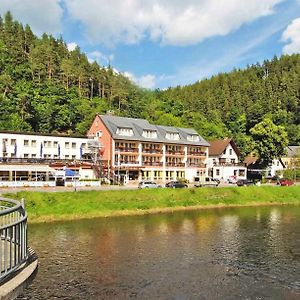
(276, 168)
(19, 145)
(228, 157)
(226, 165)
(26, 157)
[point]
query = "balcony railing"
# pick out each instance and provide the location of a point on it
(228, 164)
(123, 149)
(174, 152)
(152, 163)
(152, 151)
(41, 160)
(173, 164)
(129, 162)
(196, 153)
(196, 165)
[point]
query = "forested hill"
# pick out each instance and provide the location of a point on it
(231, 104)
(46, 88)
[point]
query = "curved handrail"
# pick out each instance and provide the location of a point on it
(13, 236)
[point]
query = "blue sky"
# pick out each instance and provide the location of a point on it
(162, 43)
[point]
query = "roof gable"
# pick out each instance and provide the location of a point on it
(217, 147)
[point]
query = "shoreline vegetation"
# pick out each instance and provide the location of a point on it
(63, 206)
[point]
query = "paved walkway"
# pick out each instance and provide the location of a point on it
(100, 188)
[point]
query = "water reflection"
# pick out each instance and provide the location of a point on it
(247, 253)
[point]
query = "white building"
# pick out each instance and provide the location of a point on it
(223, 161)
(36, 157)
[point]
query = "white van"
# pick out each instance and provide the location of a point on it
(207, 181)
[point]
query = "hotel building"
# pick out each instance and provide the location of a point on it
(36, 157)
(134, 150)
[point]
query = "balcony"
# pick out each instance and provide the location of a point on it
(228, 164)
(126, 163)
(174, 152)
(127, 150)
(196, 153)
(14, 160)
(152, 151)
(175, 164)
(152, 163)
(195, 165)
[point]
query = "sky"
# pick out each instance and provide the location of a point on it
(165, 43)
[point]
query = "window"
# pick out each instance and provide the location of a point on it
(67, 145)
(99, 133)
(26, 155)
(124, 131)
(33, 143)
(67, 156)
(73, 145)
(13, 141)
(242, 172)
(55, 144)
(217, 172)
(150, 134)
(47, 144)
(193, 137)
(230, 151)
(233, 161)
(26, 143)
(172, 136)
(73, 156)
(33, 155)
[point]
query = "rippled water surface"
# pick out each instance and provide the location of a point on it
(245, 253)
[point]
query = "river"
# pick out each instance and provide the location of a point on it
(228, 253)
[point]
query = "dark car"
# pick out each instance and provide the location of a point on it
(286, 182)
(176, 185)
(245, 182)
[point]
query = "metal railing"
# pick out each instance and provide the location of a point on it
(13, 234)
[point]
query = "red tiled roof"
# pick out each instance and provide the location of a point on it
(217, 147)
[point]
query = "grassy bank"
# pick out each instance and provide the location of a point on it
(48, 206)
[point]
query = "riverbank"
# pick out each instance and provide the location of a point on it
(47, 206)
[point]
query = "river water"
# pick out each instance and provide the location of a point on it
(236, 253)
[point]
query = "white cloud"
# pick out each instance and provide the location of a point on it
(292, 36)
(146, 81)
(100, 58)
(42, 16)
(172, 22)
(71, 46)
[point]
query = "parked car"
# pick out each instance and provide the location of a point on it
(232, 180)
(148, 184)
(176, 184)
(208, 181)
(245, 182)
(286, 182)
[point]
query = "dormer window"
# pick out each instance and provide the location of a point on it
(124, 131)
(172, 136)
(152, 134)
(193, 137)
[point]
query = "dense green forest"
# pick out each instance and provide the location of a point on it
(46, 88)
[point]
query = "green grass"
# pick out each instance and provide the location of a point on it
(48, 206)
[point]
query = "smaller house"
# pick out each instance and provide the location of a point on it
(257, 171)
(223, 161)
(292, 156)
